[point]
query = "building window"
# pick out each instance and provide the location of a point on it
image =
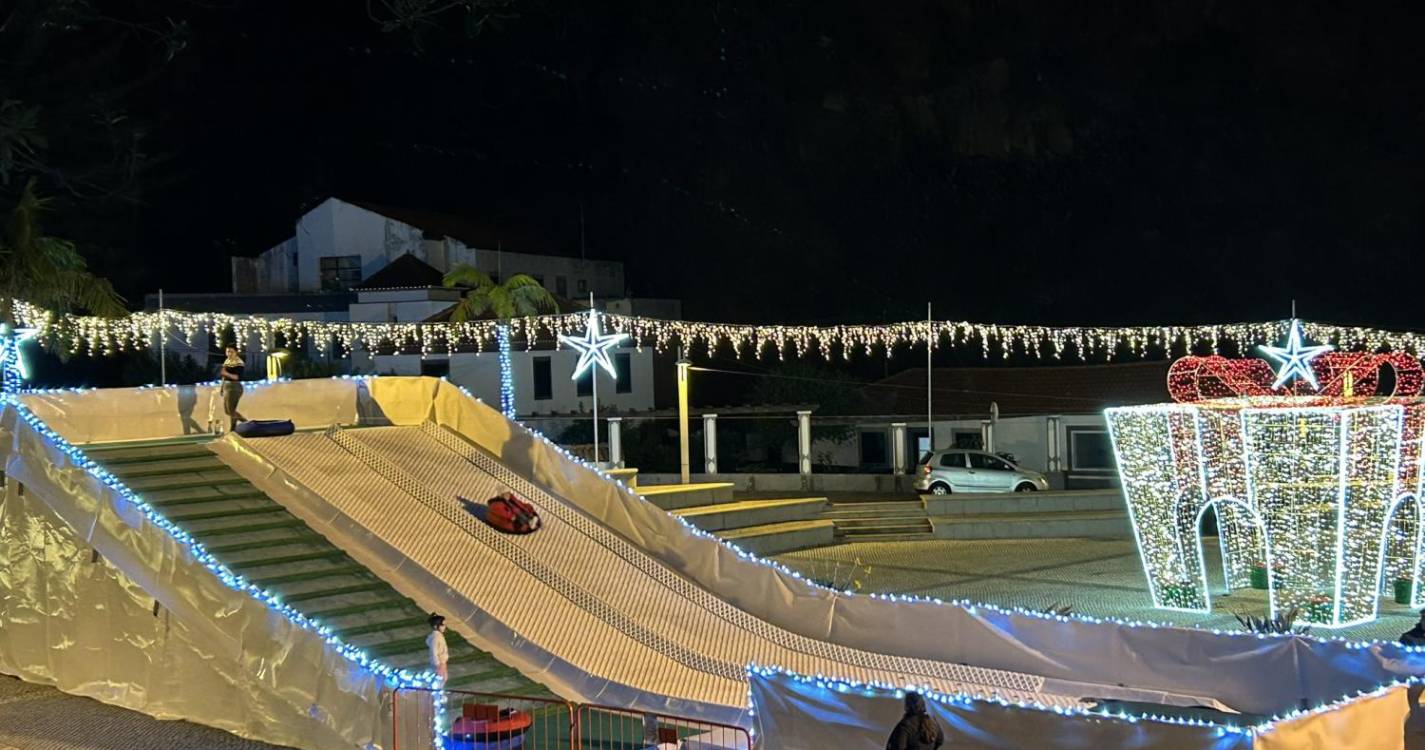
(873, 448)
(971, 439)
(561, 286)
(436, 368)
(584, 386)
(543, 379)
(583, 285)
(339, 272)
(623, 365)
(1089, 450)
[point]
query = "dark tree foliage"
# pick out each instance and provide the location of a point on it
(1169, 160)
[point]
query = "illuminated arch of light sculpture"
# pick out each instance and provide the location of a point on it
(1319, 488)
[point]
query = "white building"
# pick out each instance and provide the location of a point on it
(339, 244)
(350, 261)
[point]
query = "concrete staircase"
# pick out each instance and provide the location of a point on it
(887, 520)
(762, 526)
(256, 537)
(672, 497)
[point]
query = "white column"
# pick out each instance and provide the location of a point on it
(987, 435)
(1054, 461)
(684, 468)
(615, 442)
(804, 442)
(898, 450)
(710, 443)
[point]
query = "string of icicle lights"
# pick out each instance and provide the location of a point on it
(101, 336)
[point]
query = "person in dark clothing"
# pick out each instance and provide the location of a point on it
(916, 730)
(1416, 635)
(232, 386)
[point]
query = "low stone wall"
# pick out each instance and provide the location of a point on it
(888, 483)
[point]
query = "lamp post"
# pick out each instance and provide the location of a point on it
(683, 367)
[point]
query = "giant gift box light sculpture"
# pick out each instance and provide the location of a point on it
(1315, 479)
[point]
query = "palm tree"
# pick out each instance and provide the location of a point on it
(517, 296)
(47, 271)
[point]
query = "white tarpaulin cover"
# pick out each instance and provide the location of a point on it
(806, 714)
(1174, 661)
(98, 601)
(1226, 667)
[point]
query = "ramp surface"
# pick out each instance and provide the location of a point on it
(575, 589)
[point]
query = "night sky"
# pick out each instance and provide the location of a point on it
(802, 161)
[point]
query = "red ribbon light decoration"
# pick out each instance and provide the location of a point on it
(1193, 379)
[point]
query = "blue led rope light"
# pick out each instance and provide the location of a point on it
(393, 676)
(882, 689)
(507, 374)
(967, 604)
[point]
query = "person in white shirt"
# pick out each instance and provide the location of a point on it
(439, 654)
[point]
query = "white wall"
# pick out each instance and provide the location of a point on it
(481, 374)
(400, 305)
(336, 228)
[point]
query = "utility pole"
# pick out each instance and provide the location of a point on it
(162, 342)
(683, 366)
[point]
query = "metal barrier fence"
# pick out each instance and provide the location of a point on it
(492, 721)
(479, 721)
(609, 727)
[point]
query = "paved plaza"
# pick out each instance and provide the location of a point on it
(1097, 577)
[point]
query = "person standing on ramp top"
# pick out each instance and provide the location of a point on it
(232, 386)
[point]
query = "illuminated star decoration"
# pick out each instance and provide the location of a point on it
(12, 359)
(594, 347)
(1295, 359)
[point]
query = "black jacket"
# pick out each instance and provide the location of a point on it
(906, 735)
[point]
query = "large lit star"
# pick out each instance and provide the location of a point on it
(1294, 359)
(594, 347)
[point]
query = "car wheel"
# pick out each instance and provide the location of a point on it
(939, 488)
(1026, 487)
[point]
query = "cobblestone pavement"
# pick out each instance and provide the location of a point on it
(1097, 577)
(36, 717)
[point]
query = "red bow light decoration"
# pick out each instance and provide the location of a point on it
(1203, 378)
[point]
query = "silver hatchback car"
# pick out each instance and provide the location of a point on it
(962, 470)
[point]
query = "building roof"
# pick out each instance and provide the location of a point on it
(486, 235)
(253, 304)
(1020, 391)
(405, 272)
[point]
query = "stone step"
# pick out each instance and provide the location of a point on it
(1063, 524)
(628, 476)
(214, 478)
(739, 514)
(185, 465)
(848, 525)
(201, 496)
(770, 539)
(676, 496)
(1024, 502)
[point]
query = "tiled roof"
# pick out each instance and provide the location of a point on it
(1020, 391)
(405, 272)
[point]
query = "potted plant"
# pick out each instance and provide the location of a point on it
(1259, 575)
(1404, 587)
(1181, 594)
(1319, 608)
